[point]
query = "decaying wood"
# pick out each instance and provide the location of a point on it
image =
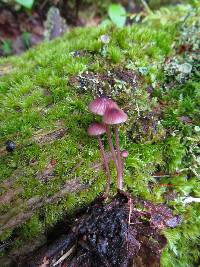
(53, 254)
(12, 179)
(40, 138)
(16, 221)
(28, 247)
(23, 212)
(9, 195)
(49, 137)
(47, 173)
(141, 239)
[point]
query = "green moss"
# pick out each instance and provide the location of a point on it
(38, 97)
(32, 228)
(5, 235)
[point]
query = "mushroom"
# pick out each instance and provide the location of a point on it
(99, 106)
(97, 129)
(124, 155)
(115, 116)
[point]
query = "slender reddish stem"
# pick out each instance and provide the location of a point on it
(119, 161)
(105, 161)
(122, 166)
(111, 146)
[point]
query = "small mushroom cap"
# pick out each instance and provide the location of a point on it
(100, 104)
(124, 154)
(96, 129)
(114, 116)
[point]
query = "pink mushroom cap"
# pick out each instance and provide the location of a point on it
(114, 116)
(100, 104)
(124, 154)
(96, 129)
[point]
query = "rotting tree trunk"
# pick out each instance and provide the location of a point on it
(40, 138)
(9, 195)
(21, 212)
(122, 236)
(15, 217)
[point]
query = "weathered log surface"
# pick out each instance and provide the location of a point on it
(40, 138)
(23, 212)
(109, 234)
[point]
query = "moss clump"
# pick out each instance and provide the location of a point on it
(43, 107)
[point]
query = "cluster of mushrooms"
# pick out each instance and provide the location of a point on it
(112, 115)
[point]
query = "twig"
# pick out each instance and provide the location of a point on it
(129, 219)
(130, 210)
(64, 256)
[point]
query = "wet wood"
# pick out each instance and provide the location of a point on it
(9, 182)
(40, 138)
(23, 212)
(49, 137)
(9, 195)
(24, 209)
(44, 176)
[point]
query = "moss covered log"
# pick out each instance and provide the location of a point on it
(151, 69)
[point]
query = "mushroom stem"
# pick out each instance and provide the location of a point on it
(122, 165)
(119, 161)
(105, 162)
(112, 150)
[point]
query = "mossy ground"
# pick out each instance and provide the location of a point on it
(37, 96)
